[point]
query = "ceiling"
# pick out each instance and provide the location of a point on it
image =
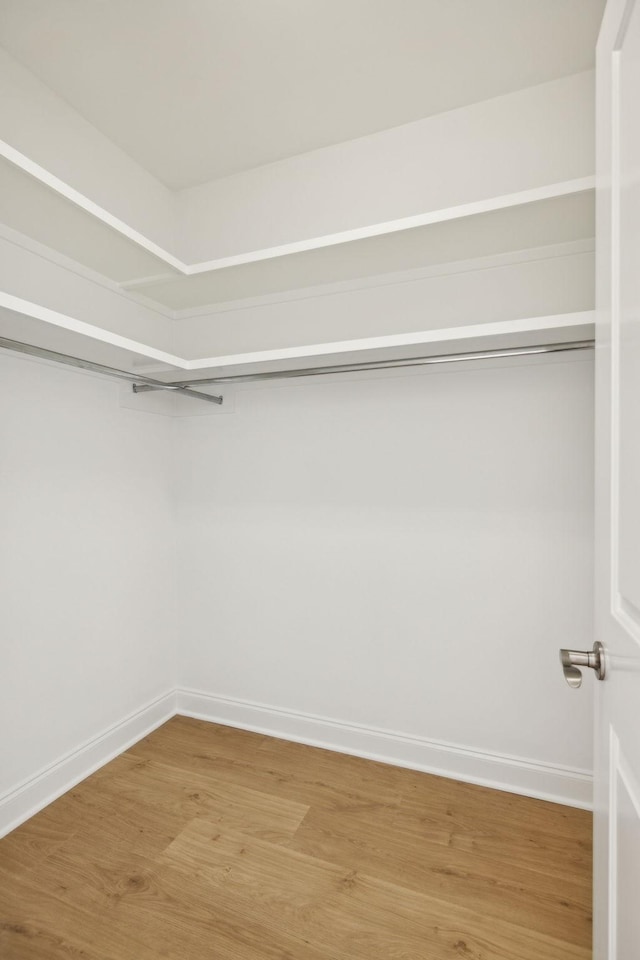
(200, 89)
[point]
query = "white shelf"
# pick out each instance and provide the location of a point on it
(561, 328)
(498, 226)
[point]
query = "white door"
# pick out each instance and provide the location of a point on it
(617, 790)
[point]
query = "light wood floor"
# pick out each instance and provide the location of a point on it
(207, 842)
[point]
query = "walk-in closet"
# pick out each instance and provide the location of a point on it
(318, 410)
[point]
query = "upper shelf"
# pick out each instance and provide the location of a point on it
(498, 226)
(533, 331)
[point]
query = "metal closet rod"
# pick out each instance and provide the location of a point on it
(390, 364)
(139, 382)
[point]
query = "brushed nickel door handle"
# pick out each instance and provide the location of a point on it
(571, 660)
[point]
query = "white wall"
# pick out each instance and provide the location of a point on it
(85, 593)
(406, 551)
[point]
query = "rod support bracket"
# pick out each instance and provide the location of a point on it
(177, 388)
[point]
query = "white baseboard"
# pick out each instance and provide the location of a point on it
(543, 781)
(35, 793)
(514, 774)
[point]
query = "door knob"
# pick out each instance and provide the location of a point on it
(572, 659)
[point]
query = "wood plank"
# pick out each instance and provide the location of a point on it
(471, 824)
(179, 915)
(112, 894)
(383, 845)
(91, 811)
(279, 767)
(235, 806)
(473, 804)
(348, 913)
(36, 923)
(24, 849)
